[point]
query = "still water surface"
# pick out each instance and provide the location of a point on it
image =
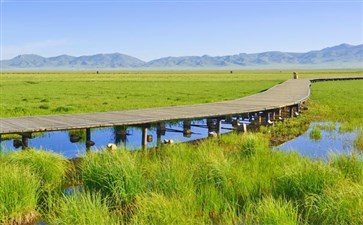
(331, 141)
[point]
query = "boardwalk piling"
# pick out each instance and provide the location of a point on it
(120, 135)
(219, 126)
(89, 143)
(24, 140)
(242, 128)
(160, 130)
(267, 118)
(187, 132)
(291, 111)
(144, 137)
(24, 143)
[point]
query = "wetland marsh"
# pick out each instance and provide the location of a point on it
(236, 179)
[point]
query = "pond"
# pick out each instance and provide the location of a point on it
(60, 141)
(322, 139)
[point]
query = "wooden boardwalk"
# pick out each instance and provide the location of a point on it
(288, 93)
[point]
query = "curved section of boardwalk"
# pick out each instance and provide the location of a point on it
(288, 93)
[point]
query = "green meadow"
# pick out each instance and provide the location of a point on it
(234, 179)
(27, 93)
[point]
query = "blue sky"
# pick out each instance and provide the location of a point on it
(154, 29)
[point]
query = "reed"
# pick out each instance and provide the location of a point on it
(351, 166)
(50, 167)
(19, 193)
(315, 133)
(301, 180)
(82, 208)
(114, 175)
(339, 204)
(273, 212)
(156, 208)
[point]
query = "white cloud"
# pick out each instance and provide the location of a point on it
(43, 48)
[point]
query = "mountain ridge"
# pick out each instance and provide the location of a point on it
(340, 56)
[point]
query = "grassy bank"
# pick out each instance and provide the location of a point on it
(232, 180)
(25, 94)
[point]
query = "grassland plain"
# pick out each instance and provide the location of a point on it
(236, 179)
(28, 93)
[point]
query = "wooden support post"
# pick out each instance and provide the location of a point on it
(211, 125)
(267, 117)
(144, 138)
(120, 135)
(88, 139)
(280, 112)
(274, 115)
(291, 111)
(219, 126)
(242, 128)
(25, 140)
(235, 123)
(158, 135)
(298, 108)
(259, 119)
(187, 128)
(88, 134)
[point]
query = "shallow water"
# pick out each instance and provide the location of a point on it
(59, 141)
(331, 141)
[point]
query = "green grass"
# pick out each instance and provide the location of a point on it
(82, 208)
(351, 166)
(19, 192)
(315, 133)
(25, 94)
(235, 179)
(50, 167)
(337, 102)
(341, 204)
(114, 175)
(273, 212)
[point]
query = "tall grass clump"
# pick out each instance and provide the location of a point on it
(340, 204)
(252, 144)
(167, 171)
(351, 166)
(273, 212)
(153, 208)
(50, 167)
(306, 178)
(315, 133)
(19, 192)
(113, 174)
(82, 208)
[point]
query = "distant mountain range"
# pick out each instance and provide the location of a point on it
(338, 57)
